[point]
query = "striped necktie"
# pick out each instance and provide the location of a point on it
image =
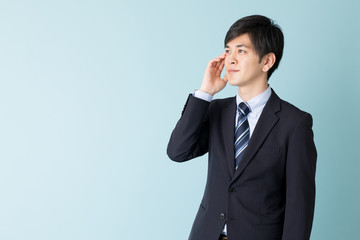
(242, 132)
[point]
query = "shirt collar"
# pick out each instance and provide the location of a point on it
(257, 103)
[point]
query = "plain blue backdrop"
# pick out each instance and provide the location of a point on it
(91, 90)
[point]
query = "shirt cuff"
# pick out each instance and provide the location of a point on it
(203, 95)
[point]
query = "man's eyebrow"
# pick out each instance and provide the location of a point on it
(238, 46)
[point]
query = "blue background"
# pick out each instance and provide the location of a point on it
(91, 90)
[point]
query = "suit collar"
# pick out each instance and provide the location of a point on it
(256, 103)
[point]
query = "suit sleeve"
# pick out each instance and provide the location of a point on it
(189, 139)
(300, 182)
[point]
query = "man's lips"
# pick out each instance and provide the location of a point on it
(233, 71)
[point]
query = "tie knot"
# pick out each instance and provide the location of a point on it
(243, 108)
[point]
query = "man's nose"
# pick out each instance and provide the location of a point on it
(231, 59)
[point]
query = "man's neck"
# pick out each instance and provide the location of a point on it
(248, 92)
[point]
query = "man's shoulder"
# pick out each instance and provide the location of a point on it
(292, 114)
(280, 105)
(222, 102)
(289, 107)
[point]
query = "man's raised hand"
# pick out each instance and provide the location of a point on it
(212, 82)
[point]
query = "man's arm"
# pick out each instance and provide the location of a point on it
(300, 182)
(189, 139)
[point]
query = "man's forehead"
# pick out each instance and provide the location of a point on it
(240, 41)
(238, 46)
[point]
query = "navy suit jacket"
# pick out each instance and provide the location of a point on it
(272, 193)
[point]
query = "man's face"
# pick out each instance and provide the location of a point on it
(242, 63)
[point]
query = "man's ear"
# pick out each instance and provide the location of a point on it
(269, 60)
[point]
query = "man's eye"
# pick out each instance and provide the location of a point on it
(241, 51)
(227, 51)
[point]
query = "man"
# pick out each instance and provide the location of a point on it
(262, 157)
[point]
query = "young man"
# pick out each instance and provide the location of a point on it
(262, 157)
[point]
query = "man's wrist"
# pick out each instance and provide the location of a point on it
(203, 95)
(207, 91)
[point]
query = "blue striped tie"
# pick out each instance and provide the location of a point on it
(242, 132)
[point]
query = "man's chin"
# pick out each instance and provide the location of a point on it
(233, 82)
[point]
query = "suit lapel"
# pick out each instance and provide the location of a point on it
(263, 127)
(228, 128)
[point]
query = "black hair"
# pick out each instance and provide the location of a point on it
(265, 35)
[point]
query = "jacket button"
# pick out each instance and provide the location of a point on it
(222, 216)
(232, 190)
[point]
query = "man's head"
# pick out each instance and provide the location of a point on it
(266, 39)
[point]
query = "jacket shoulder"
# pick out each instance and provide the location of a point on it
(288, 107)
(217, 104)
(292, 114)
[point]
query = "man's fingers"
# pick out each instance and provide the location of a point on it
(219, 58)
(225, 79)
(215, 63)
(222, 56)
(221, 67)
